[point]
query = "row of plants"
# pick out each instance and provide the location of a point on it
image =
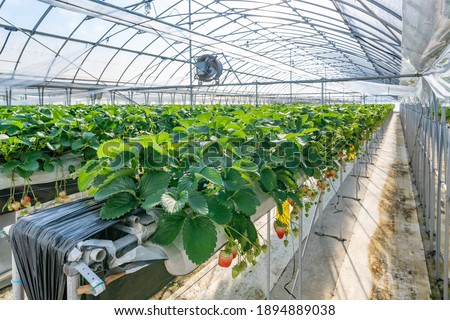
(209, 169)
(33, 138)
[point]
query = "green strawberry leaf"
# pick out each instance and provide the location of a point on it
(197, 202)
(268, 180)
(121, 160)
(118, 206)
(199, 239)
(88, 174)
(29, 166)
(77, 145)
(233, 180)
(219, 213)
(246, 202)
(174, 202)
(153, 199)
(246, 166)
(212, 175)
(168, 229)
(10, 166)
(187, 183)
(118, 185)
(153, 182)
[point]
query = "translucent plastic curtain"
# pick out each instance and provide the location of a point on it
(425, 49)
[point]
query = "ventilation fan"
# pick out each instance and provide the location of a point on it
(208, 68)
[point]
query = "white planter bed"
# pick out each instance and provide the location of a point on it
(44, 177)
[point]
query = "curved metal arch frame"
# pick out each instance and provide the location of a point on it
(390, 67)
(235, 20)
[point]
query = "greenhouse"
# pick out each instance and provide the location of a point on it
(224, 150)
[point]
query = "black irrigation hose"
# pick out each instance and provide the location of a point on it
(37, 190)
(293, 274)
(41, 242)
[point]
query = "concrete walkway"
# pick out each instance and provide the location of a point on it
(382, 256)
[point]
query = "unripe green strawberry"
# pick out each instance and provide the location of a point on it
(16, 206)
(234, 252)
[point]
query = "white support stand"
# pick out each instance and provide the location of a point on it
(17, 286)
(73, 283)
(298, 281)
(268, 255)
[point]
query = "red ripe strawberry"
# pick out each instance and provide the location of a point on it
(280, 228)
(225, 258)
(23, 202)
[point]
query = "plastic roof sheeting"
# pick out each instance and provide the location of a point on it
(95, 44)
(426, 46)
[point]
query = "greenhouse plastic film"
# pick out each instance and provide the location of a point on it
(425, 47)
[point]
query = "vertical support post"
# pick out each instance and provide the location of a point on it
(41, 96)
(191, 75)
(256, 97)
(322, 94)
(113, 97)
(160, 99)
(439, 136)
(17, 287)
(8, 95)
(425, 191)
(447, 204)
(68, 97)
(290, 77)
(300, 258)
(130, 95)
(268, 255)
(73, 283)
(431, 177)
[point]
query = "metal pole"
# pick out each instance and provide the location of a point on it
(73, 283)
(300, 258)
(431, 177)
(439, 135)
(257, 98)
(322, 93)
(8, 97)
(41, 96)
(17, 286)
(191, 76)
(447, 205)
(290, 78)
(268, 256)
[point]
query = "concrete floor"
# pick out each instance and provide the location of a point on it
(382, 256)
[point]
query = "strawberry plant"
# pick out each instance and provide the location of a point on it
(209, 168)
